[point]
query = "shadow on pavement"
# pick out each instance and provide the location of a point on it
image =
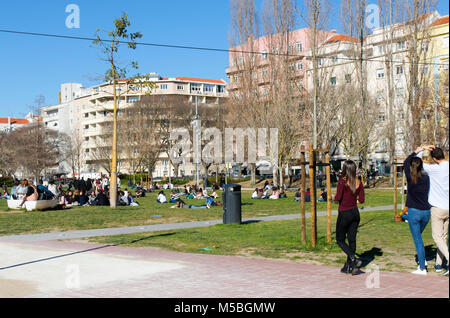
(80, 252)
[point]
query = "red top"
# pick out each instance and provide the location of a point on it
(347, 199)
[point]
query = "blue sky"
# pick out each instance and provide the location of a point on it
(32, 66)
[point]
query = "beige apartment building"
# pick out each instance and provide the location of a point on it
(86, 115)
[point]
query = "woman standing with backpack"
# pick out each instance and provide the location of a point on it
(350, 191)
(417, 203)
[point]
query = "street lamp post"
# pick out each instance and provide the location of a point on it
(196, 132)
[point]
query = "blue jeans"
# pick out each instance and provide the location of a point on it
(418, 220)
(197, 207)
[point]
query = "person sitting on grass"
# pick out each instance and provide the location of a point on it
(323, 195)
(214, 194)
(92, 198)
(5, 195)
(62, 199)
(131, 201)
(263, 194)
(174, 197)
(255, 194)
(283, 194)
(122, 198)
(69, 197)
(161, 198)
(182, 205)
(297, 196)
(84, 200)
(76, 198)
(275, 194)
(101, 199)
(199, 194)
(140, 193)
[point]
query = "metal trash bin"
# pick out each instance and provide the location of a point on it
(231, 197)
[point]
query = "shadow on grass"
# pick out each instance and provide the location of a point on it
(430, 253)
(368, 256)
(84, 251)
(251, 221)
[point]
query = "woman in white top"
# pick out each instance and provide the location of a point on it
(161, 197)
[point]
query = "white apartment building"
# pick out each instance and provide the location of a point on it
(84, 112)
(8, 124)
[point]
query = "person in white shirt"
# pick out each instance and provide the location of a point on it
(439, 200)
(161, 197)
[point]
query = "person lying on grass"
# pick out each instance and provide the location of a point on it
(182, 205)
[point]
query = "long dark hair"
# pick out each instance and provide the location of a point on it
(348, 172)
(416, 167)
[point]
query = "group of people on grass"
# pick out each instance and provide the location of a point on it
(190, 192)
(263, 193)
(79, 192)
(427, 197)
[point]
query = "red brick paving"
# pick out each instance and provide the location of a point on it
(212, 276)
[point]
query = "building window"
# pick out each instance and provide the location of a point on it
(400, 92)
(333, 81)
(399, 69)
(208, 88)
(133, 99)
(291, 49)
(196, 88)
(381, 49)
(180, 87)
(163, 86)
(299, 46)
(401, 45)
(265, 73)
(348, 78)
(220, 89)
(380, 73)
(445, 42)
(264, 55)
(292, 68)
(381, 117)
(299, 66)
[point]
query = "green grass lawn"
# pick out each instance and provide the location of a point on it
(381, 242)
(80, 218)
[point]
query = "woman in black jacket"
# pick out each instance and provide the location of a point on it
(417, 203)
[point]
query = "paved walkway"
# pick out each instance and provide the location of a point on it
(73, 269)
(42, 266)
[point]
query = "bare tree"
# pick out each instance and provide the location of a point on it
(418, 14)
(245, 100)
(36, 148)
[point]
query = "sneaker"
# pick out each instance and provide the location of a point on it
(438, 268)
(420, 272)
(446, 273)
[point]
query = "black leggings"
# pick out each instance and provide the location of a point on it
(347, 227)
